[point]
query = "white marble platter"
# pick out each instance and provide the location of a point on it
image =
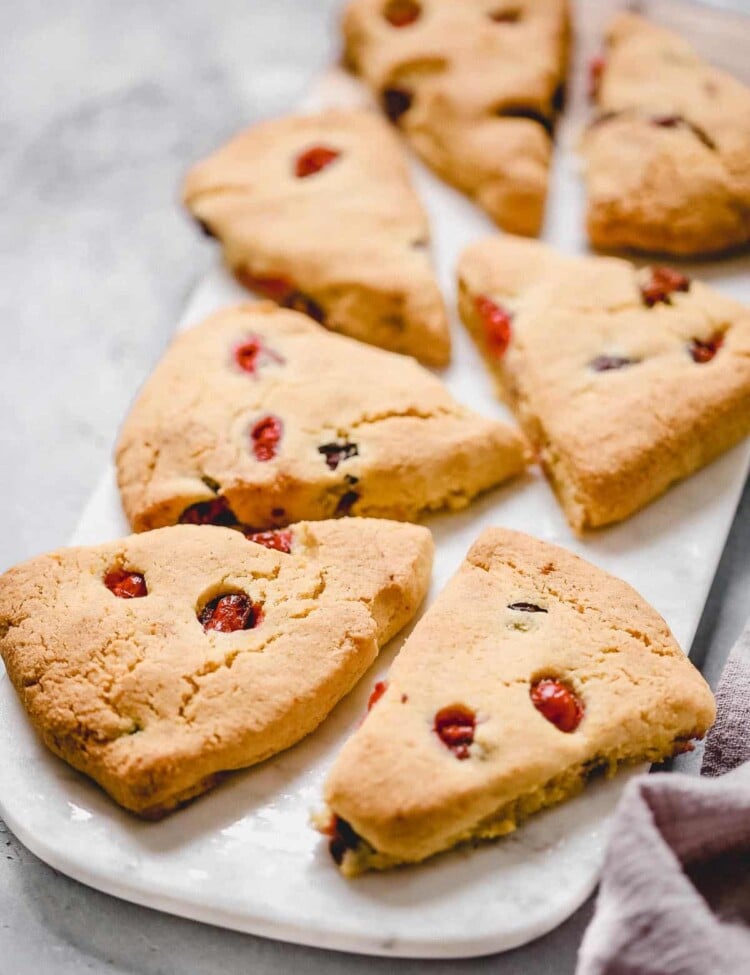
(244, 856)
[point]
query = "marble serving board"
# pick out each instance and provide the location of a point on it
(245, 856)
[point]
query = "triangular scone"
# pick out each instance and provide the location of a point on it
(668, 157)
(157, 662)
(318, 213)
(625, 381)
(532, 672)
(474, 86)
(260, 417)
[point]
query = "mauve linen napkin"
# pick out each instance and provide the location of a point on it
(675, 892)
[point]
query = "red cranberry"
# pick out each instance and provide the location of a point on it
(396, 102)
(342, 837)
(313, 160)
(526, 608)
(230, 612)
(213, 512)
(606, 363)
(496, 321)
(596, 72)
(663, 282)
(275, 288)
(335, 453)
(401, 13)
(265, 436)
(455, 726)
(557, 703)
(702, 351)
(280, 540)
(667, 121)
(126, 585)
(253, 353)
(377, 692)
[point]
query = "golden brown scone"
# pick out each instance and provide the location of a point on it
(474, 86)
(532, 672)
(260, 417)
(318, 213)
(625, 381)
(157, 662)
(668, 157)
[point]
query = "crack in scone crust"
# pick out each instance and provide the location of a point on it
(406, 445)
(625, 381)
(406, 796)
(136, 693)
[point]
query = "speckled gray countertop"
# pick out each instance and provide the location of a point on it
(103, 104)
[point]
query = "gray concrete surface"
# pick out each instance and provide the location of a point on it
(101, 106)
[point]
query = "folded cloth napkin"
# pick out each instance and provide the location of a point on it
(675, 892)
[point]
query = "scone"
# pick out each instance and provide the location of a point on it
(624, 380)
(474, 86)
(318, 213)
(531, 673)
(259, 417)
(668, 155)
(158, 662)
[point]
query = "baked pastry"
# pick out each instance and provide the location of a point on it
(318, 213)
(158, 662)
(259, 417)
(668, 155)
(532, 672)
(624, 380)
(474, 86)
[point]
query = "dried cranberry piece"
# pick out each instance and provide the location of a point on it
(213, 512)
(703, 351)
(342, 838)
(345, 503)
(253, 353)
(299, 301)
(596, 73)
(667, 121)
(377, 692)
(455, 726)
(276, 288)
(401, 13)
(126, 585)
(663, 282)
(606, 363)
(280, 540)
(230, 612)
(557, 703)
(335, 453)
(497, 322)
(526, 608)
(312, 160)
(265, 436)
(396, 102)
